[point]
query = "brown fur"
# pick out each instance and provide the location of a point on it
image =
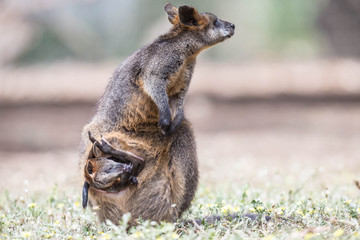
(161, 184)
(141, 112)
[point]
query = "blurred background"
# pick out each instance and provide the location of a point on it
(278, 102)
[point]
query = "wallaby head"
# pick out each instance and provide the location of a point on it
(106, 168)
(107, 174)
(204, 27)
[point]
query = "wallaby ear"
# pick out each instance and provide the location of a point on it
(172, 13)
(190, 17)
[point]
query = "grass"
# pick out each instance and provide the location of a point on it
(296, 214)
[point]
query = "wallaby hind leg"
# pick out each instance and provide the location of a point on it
(168, 193)
(119, 155)
(183, 166)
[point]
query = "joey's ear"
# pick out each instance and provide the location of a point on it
(172, 13)
(190, 17)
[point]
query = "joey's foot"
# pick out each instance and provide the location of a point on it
(103, 144)
(137, 163)
(107, 148)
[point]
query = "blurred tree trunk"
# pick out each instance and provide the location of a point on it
(340, 22)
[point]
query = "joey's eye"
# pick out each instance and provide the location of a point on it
(216, 22)
(90, 168)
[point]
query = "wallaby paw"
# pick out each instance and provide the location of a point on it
(175, 123)
(164, 123)
(173, 127)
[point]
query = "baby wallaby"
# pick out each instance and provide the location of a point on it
(109, 169)
(141, 112)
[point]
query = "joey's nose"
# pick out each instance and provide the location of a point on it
(232, 26)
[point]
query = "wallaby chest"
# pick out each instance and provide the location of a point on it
(180, 80)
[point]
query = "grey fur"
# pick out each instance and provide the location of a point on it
(142, 111)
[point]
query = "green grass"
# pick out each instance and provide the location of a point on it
(296, 213)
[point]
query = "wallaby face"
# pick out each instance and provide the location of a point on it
(205, 27)
(106, 170)
(107, 174)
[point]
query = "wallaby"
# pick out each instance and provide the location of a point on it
(112, 172)
(141, 119)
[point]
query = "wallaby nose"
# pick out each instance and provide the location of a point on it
(232, 26)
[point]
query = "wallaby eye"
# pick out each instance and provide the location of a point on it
(90, 168)
(216, 22)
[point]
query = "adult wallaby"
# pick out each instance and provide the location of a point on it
(141, 118)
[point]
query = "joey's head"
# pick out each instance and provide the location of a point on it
(106, 174)
(205, 29)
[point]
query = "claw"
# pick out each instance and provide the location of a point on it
(91, 137)
(129, 168)
(133, 180)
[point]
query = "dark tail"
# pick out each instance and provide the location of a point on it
(85, 194)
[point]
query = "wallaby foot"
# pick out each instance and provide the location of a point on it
(119, 155)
